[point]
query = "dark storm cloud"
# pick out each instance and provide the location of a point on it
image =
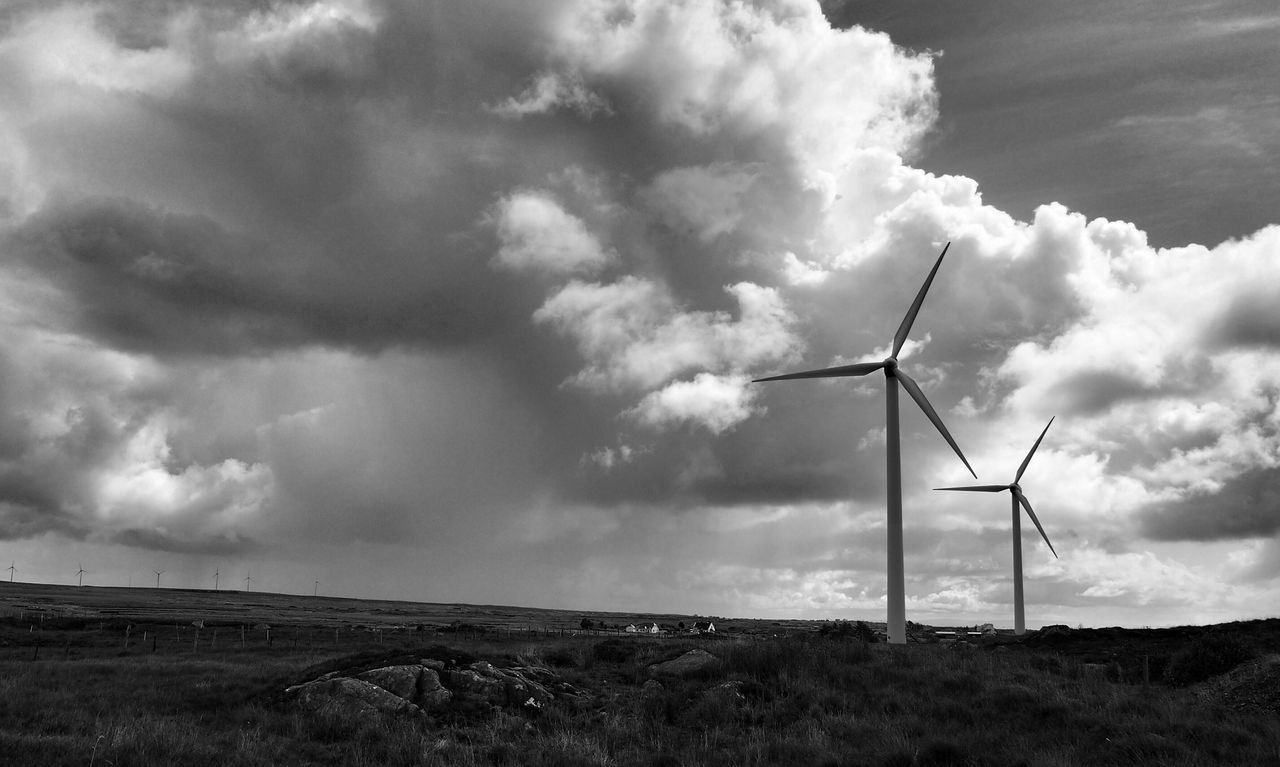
(141, 279)
(224, 543)
(1247, 506)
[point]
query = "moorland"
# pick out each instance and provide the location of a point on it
(114, 676)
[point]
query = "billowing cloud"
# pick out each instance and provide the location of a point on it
(535, 233)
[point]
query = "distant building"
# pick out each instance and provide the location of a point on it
(654, 629)
(704, 627)
(631, 629)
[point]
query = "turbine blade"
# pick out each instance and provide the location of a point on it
(914, 390)
(1027, 460)
(900, 337)
(1022, 499)
(978, 488)
(856, 369)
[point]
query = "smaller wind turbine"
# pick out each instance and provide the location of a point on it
(316, 592)
(215, 579)
(247, 579)
(80, 574)
(11, 569)
(157, 572)
(1019, 619)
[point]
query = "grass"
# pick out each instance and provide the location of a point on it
(789, 701)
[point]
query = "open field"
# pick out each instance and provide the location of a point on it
(71, 693)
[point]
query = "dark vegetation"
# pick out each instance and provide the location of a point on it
(1091, 697)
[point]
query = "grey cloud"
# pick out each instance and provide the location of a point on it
(152, 539)
(1247, 506)
(1251, 321)
(140, 279)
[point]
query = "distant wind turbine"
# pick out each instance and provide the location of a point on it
(158, 572)
(893, 463)
(246, 581)
(215, 579)
(316, 592)
(1019, 619)
(80, 574)
(11, 569)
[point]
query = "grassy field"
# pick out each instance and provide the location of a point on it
(72, 694)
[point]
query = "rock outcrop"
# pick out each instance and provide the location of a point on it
(689, 664)
(431, 687)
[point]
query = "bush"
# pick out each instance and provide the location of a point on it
(1208, 655)
(614, 650)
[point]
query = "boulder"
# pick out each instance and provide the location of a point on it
(397, 680)
(432, 695)
(469, 683)
(350, 698)
(692, 662)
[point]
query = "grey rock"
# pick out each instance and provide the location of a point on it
(351, 698)
(397, 680)
(432, 695)
(692, 662)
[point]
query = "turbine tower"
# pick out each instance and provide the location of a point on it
(80, 574)
(11, 569)
(246, 581)
(1019, 617)
(893, 463)
(215, 579)
(316, 591)
(157, 572)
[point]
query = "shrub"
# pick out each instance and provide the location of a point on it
(614, 650)
(1206, 656)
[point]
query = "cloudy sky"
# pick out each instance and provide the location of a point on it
(460, 301)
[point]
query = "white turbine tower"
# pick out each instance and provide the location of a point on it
(1019, 617)
(80, 574)
(247, 580)
(215, 579)
(893, 464)
(11, 569)
(157, 572)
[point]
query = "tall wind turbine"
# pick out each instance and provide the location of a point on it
(80, 574)
(11, 569)
(157, 572)
(316, 591)
(893, 463)
(215, 579)
(1019, 618)
(246, 581)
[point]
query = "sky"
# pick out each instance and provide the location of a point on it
(461, 302)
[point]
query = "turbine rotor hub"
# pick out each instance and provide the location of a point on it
(891, 364)
(1016, 488)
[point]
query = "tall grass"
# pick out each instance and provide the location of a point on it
(778, 702)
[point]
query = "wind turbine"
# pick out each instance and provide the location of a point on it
(11, 569)
(246, 581)
(158, 572)
(215, 579)
(316, 592)
(893, 463)
(1019, 618)
(80, 574)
